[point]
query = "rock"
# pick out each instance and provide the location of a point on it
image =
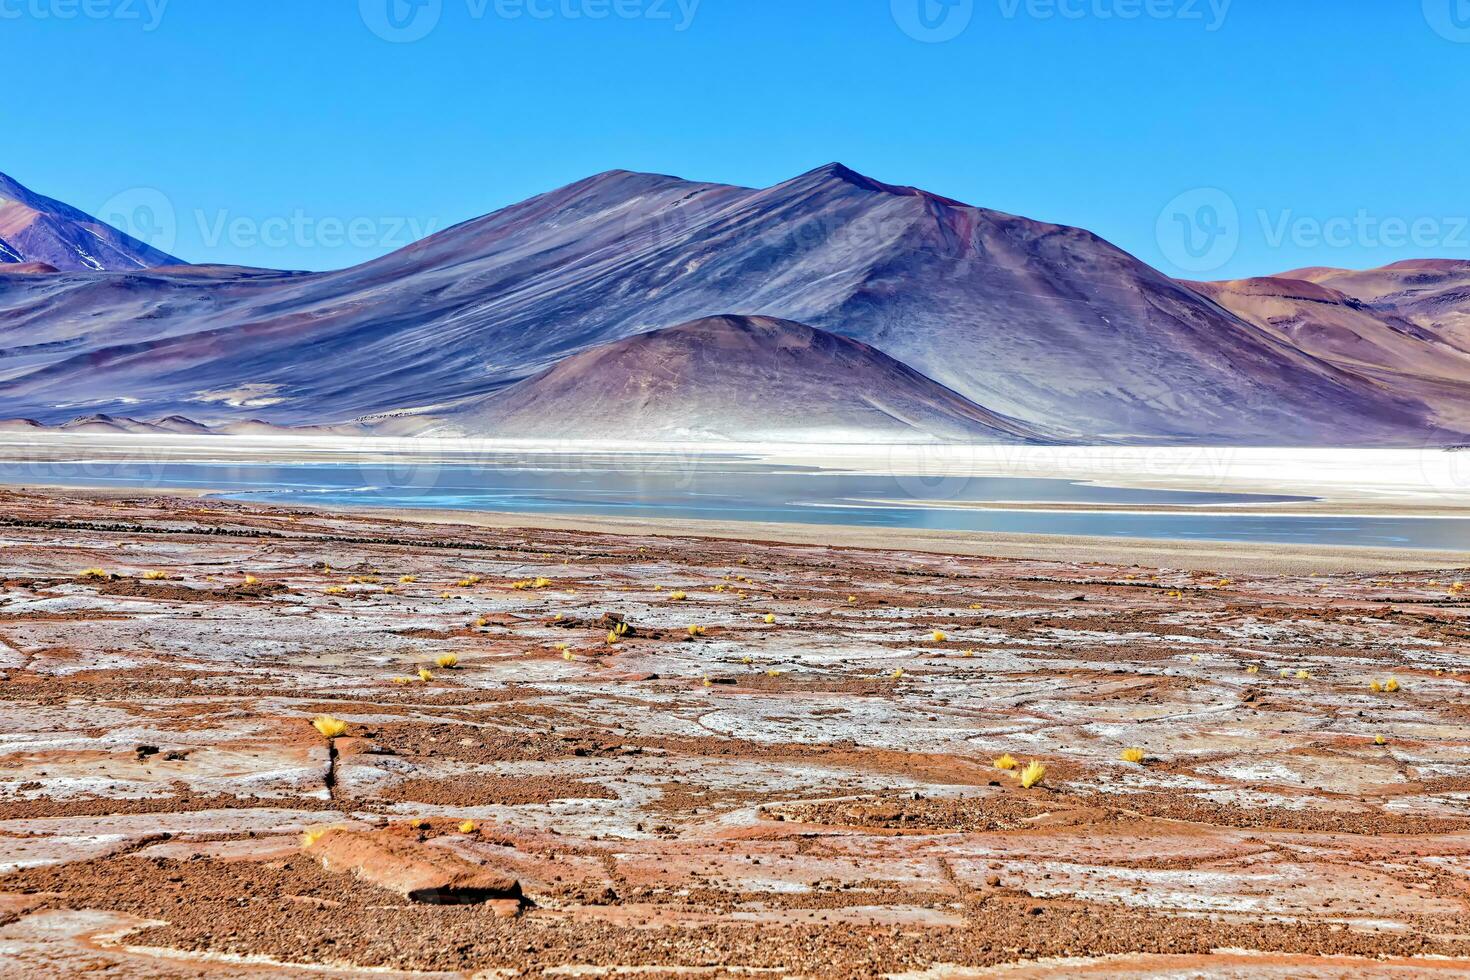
(412, 868)
(354, 745)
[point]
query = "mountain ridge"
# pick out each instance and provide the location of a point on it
(1045, 324)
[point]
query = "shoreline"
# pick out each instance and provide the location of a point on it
(1331, 474)
(1190, 555)
(1347, 483)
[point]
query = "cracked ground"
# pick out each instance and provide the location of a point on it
(668, 756)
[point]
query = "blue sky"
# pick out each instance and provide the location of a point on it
(1213, 138)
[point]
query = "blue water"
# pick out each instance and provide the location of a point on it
(734, 489)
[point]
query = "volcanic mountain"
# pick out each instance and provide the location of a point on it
(727, 378)
(1406, 325)
(1048, 326)
(37, 232)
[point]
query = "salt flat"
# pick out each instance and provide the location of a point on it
(813, 795)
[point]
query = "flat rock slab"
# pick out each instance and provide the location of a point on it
(412, 868)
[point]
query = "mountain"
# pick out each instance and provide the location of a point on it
(727, 378)
(36, 229)
(1405, 326)
(1045, 325)
(1430, 293)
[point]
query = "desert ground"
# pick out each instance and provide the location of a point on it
(239, 740)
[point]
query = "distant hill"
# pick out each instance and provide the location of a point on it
(728, 378)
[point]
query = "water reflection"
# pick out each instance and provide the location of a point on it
(735, 489)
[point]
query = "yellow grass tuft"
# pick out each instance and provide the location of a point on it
(328, 726)
(1034, 773)
(424, 675)
(251, 580)
(407, 579)
(1380, 740)
(335, 590)
(696, 631)
(155, 576)
(939, 636)
(311, 835)
(1006, 762)
(1303, 675)
(1253, 669)
(403, 680)
(1391, 685)
(769, 618)
(1376, 687)
(468, 582)
(1285, 672)
(448, 661)
(568, 655)
(898, 673)
(95, 573)
(468, 827)
(678, 596)
(1132, 755)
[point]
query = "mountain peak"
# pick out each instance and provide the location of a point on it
(841, 173)
(38, 229)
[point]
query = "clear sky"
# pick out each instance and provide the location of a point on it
(1215, 138)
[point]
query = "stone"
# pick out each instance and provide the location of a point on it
(412, 868)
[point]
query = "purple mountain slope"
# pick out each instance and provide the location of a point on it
(34, 228)
(1040, 323)
(728, 378)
